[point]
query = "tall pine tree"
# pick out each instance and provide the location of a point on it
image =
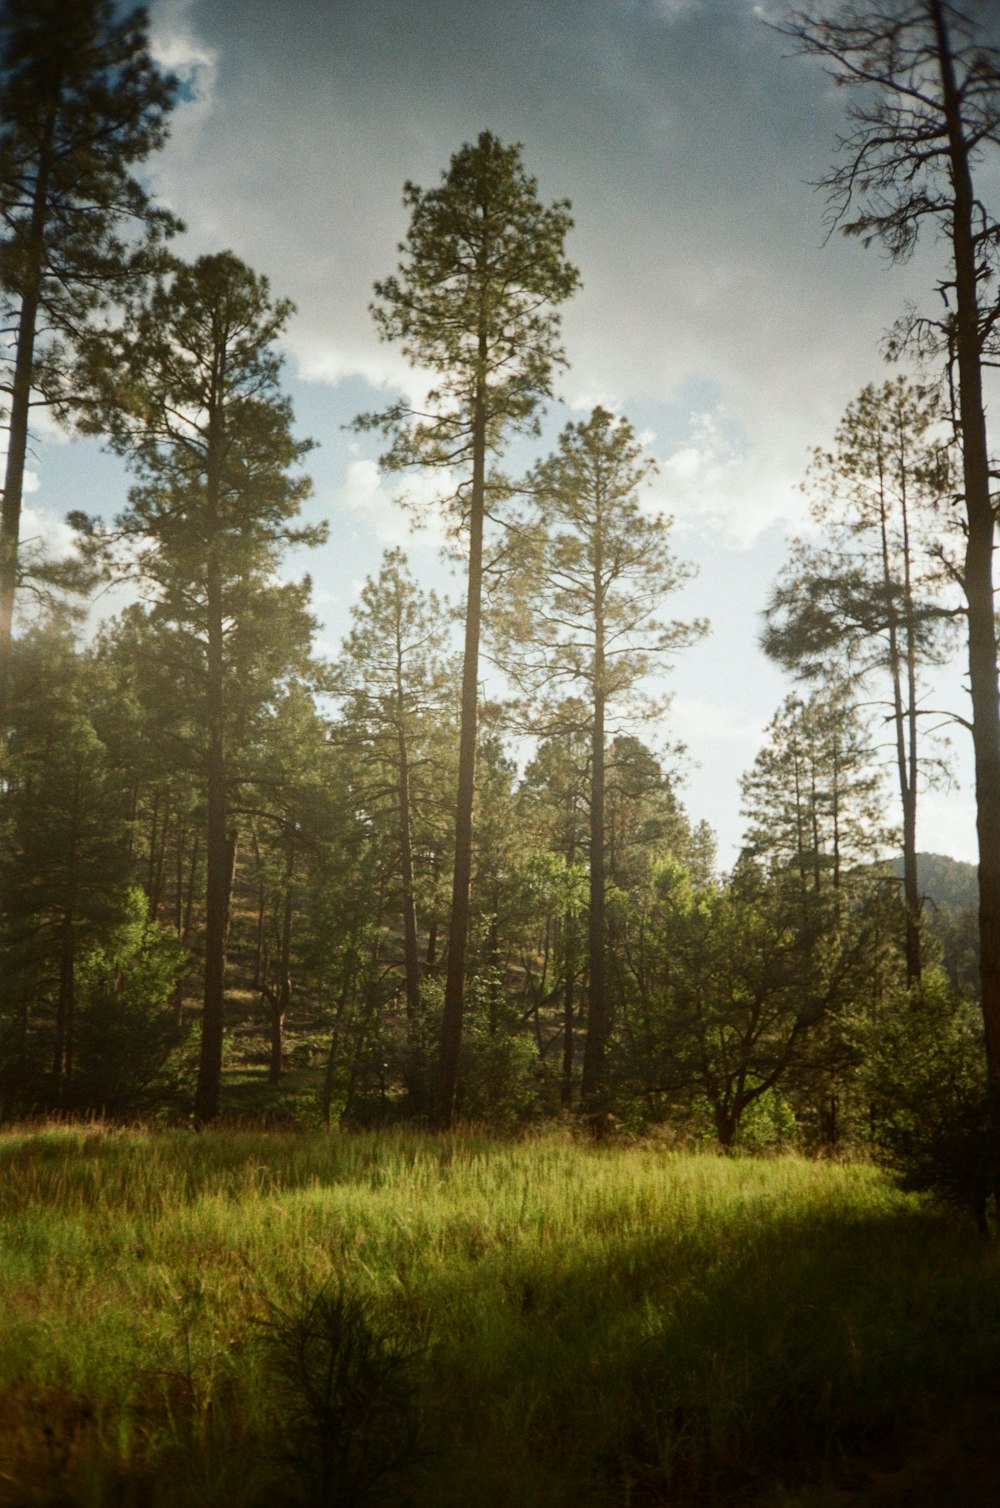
(474, 304)
(81, 103)
(193, 400)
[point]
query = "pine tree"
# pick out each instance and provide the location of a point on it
(583, 618)
(872, 603)
(926, 114)
(474, 303)
(813, 796)
(392, 679)
(65, 866)
(192, 399)
(81, 102)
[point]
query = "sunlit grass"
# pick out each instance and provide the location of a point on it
(594, 1325)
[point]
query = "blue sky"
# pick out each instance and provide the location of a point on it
(714, 312)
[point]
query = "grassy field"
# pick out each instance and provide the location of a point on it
(252, 1318)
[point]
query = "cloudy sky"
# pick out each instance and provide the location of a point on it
(714, 312)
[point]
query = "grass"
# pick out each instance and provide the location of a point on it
(577, 1325)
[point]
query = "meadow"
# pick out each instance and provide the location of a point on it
(249, 1318)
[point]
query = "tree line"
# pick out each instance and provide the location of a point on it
(202, 822)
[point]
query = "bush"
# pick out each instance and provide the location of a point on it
(926, 1078)
(124, 1029)
(346, 1394)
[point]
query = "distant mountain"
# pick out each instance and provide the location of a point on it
(944, 881)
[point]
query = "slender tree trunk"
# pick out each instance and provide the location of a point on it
(177, 996)
(430, 953)
(569, 964)
(62, 1055)
(347, 982)
(282, 1001)
(458, 936)
(232, 850)
(154, 827)
(259, 965)
(189, 898)
(978, 559)
(411, 955)
(593, 1085)
(218, 853)
(904, 716)
(20, 403)
(161, 855)
(911, 877)
(493, 963)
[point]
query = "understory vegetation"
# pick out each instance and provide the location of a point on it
(259, 1318)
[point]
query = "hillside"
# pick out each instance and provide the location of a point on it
(943, 880)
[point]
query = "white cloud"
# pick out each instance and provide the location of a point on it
(697, 720)
(397, 510)
(178, 49)
(42, 529)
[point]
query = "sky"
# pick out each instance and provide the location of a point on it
(715, 311)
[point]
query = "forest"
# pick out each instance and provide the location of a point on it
(448, 874)
(444, 880)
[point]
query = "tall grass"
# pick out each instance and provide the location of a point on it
(583, 1325)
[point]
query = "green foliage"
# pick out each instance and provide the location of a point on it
(924, 1069)
(813, 797)
(125, 1031)
(498, 1078)
(582, 615)
(81, 103)
(347, 1398)
(741, 991)
(474, 301)
(873, 600)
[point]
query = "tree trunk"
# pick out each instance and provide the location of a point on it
(727, 1125)
(218, 857)
(458, 936)
(904, 716)
(411, 956)
(978, 559)
(62, 1056)
(20, 401)
(279, 1013)
(594, 1086)
(569, 964)
(185, 934)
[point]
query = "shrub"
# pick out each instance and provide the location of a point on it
(926, 1078)
(346, 1395)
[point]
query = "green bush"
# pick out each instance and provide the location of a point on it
(925, 1075)
(124, 1030)
(347, 1399)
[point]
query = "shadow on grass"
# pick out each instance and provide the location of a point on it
(818, 1345)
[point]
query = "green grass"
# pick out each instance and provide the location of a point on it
(581, 1325)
